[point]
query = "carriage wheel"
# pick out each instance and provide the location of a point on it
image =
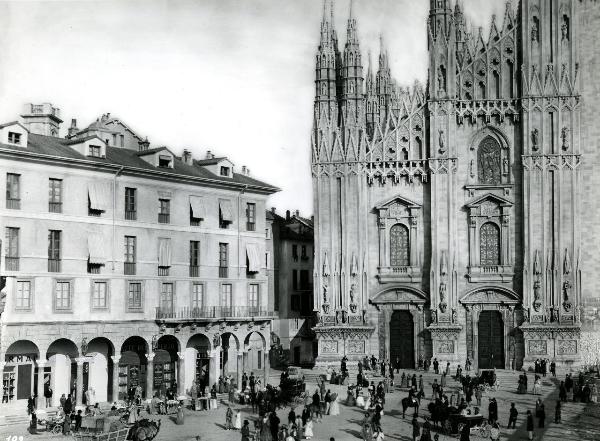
(460, 427)
(56, 429)
(485, 432)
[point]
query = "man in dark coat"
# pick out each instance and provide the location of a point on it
(529, 424)
(512, 418)
(493, 411)
(274, 420)
(316, 404)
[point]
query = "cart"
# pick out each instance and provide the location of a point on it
(114, 435)
(477, 424)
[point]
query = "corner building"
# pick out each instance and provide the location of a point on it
(459, 218)
(126, 265)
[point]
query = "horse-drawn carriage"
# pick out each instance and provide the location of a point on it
(487, 379)
(478, 425)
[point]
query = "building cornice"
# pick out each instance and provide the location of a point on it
(134, 171)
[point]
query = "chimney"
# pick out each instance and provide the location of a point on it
(41, 119)
(73, 129)
(209, 155)
(144, 145)
(187, 157)
(287, 215)
(312, 218)
(297, 213)
(244, 172)
(273, 210)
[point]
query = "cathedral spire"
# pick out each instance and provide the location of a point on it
(352, 76)
(326, 64)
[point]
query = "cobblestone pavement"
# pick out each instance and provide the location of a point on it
(209, 425)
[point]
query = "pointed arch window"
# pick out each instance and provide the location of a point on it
(489, 161)
(489, 244)
(399, 246)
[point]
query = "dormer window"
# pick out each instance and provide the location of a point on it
(164, 161)
(14, 138)
(225, 171)
(95, 151)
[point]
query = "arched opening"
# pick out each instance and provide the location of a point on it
(254, 343)
(402, 348)
(399, 246)
(18, 377)
(490, 346)
(489, 161)
(165, 366)
(132, 367)
(489, 244)
(482, 94)
(511, 76)
(497, 91)
(100, 368)
(61, 355)
(197, 357)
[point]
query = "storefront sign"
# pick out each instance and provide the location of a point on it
(20, 358)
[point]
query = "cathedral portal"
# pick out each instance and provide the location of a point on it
(402, 348)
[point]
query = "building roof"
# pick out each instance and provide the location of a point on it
(210, 161)
(287, 230)
(58, 149)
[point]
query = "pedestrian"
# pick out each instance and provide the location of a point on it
(537, 385)
(512, 418)
(180, 420)
(30, 405)
(492, 411)
(33, 424)
(558, 413)
(237, 425)
(529, 425)
(562, 394)
(541, 416)
(327, 401)
(478, 395)
(465, 433)
(367, 431)
(416, 428)
(553, 368)
(245, 431)
(229, 418)
(48, 395)
(378, 434)
(78, 421)
(436, 366)
(291, 417)
(68, 407)
(308, 429)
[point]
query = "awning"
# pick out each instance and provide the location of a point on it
(97, 252)
(164, 252)
(99, 194)
(197, 206)
(254, 259)
(226, 210)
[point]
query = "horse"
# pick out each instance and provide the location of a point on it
(144, 430)
(410, 402)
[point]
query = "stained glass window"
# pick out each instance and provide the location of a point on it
(399, 246)
(489, 161)
(489, 244)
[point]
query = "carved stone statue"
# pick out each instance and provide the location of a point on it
(325, 294)
(443, 292)
(217, 340)
(338, 316)
(433, 316)
(525, 315)
(536, 290)
(564, 134)
(535, 139)
(326, 308)
(535, 33)
(567, 289)
(441, 142)
(352, 288)
(454, 315)
(565, 30)
(505, 166)
(353, 307)
(554, 314)
(472, 168)
(441, 78)
(364, 316)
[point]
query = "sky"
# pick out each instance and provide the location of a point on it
(235, 77)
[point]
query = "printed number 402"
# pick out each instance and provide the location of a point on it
(14, 438)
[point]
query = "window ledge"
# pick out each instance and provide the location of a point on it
(393, 274)
(491, 273)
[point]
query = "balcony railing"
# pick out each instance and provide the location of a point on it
(250, 226)
(13, 204)
(130, 215)
(163, 218)
(12, 263)
(223, 272)
(195, 222)
(194, 271)
(129, 268)
(54, 265)
(55, 207)
(212, 312)
(163, 270)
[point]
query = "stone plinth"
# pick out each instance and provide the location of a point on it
(338, 341)
(444, 338)
(556, 342)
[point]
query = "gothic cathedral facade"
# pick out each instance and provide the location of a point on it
(459, 218)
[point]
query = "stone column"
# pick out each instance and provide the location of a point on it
(150, 375)
(240, 368)
(245, 360)
(181, 373)
(115, 377)
(41, 399)
(266, 366)
(79, 387)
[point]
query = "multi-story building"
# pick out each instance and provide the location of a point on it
(460, 218)
(126, 265)
(293, 241)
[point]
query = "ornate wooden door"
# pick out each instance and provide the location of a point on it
(402, 345)
(491, 340)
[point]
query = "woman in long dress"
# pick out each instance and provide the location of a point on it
(238, 420)
(335, 407)
(265, 429)
(308, 429)
(367, 403)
